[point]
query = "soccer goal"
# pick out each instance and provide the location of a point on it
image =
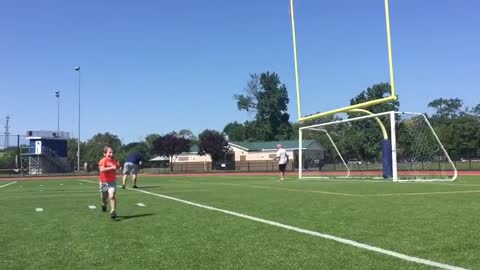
(400, 146)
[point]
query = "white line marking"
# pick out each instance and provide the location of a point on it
(314, 233)
(11, 183)
(425, 193)
(61, 184)
(336, 193)
(322, 235)
(141, 204)
(274, 188)
(39, 209)
(92, 207)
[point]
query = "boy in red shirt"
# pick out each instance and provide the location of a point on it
(108, 166)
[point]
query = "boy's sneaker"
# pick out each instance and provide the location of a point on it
(123, 186)
(113, 215)
(134, 186)
(104, 208)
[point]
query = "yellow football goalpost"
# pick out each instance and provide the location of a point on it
(427, 161)
(362, 105)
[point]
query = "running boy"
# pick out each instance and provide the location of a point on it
(108, 166)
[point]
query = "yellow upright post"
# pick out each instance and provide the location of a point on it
(363, 105)
(389, 45)
(294, 37)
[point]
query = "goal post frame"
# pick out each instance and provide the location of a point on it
(362, 105)
(393, 137)
(300, 143)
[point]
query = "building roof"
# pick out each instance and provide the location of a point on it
(268, 146)
(258, 147)
(159, 158)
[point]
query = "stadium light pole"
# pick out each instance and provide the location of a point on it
(57, 95)
(78, 142)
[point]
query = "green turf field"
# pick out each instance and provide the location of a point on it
(438, 222)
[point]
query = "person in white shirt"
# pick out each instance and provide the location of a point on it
(282, 160)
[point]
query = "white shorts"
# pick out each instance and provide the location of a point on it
(108, 187)
(130, 167)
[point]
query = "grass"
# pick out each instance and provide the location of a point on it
(418, 219)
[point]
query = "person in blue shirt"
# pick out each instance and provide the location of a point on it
(132, 166)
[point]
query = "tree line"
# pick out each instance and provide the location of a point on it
(266, 99)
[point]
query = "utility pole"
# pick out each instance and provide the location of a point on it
(7, 131)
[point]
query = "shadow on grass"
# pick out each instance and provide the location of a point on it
(120, 218)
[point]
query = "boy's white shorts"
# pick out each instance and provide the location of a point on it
(108, 187)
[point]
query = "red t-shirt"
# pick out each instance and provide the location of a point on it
(110, 175)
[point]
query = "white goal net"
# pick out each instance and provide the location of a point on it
(401, 146)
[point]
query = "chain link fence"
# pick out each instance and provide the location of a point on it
(11, 149)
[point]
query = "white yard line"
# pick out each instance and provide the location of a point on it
(39, 209)
(314, 233)
(141, 204)
(338, 193)
(11, 183)
(89, 181)
(449, 184)
(309, 232)
(273, 188)
(92, 207)
(424, 193)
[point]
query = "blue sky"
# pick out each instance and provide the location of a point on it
(161, 66)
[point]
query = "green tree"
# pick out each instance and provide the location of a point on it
(72, 148)
(235, 131)
(136, 147)
(187, 134)
(267, 97)
(363, 137)
(213, 143)
(7, 158)
(457, 128)
(465, 137)
(376, 91)
(149, 141)
(475, 110)
(171, 145)
(94, 149)
(249, 101)
(446, 108)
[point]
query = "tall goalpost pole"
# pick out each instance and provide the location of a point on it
(295, 60)
(362, 105)
(389, 45)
